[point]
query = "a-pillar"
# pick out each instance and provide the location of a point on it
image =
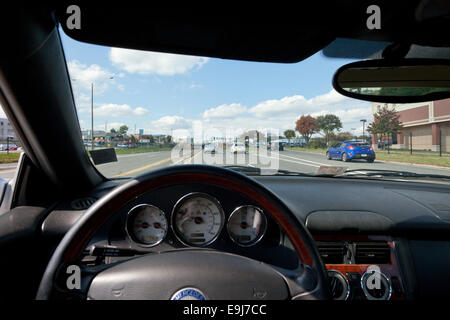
(435, 137)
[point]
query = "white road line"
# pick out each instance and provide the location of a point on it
(298, 162)
(315, 162)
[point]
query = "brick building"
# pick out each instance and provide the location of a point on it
(426, 125)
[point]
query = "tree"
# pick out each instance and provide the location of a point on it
(386, 121)
(113, 130)
(123, 129)
(289, 134)
(328, 124)
(306, 126)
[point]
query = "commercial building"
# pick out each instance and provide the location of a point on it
(425, 126)
(6, 130)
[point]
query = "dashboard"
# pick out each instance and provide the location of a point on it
(194, 216)
(379, 240)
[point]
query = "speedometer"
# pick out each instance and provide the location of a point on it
(146, 225)
(197, 219)
(247, 225)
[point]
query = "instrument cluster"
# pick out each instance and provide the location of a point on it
(197, 219)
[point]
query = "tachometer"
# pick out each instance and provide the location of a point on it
(197, 219)
(146, 225)
(247, 225)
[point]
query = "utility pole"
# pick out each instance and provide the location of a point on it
(92, 116)
(364, 123)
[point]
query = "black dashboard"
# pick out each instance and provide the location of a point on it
(196, 207)
(409, 221)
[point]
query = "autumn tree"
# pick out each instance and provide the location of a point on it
(386, 121)
(306, 126)
(328, 124)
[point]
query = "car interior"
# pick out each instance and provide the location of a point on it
(325, 236)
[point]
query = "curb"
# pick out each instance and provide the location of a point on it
(414, 164)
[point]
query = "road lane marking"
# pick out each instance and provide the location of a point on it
(190, 159)
(141, 168)
(298, 162)
(315, 162)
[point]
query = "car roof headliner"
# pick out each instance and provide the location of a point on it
(265, 33)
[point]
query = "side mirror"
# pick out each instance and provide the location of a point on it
(399, 81)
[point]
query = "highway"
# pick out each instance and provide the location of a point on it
(297, 161)
(131, 165)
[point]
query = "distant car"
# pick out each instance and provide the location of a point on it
(122, 145)
(349, 150)
(238, 148)
(13, 148)
(210, 147)
(272, 146)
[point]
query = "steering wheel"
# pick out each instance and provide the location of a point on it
(196, 272)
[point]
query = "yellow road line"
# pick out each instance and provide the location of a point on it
(190, 159)
(148, 166)
(141, 168)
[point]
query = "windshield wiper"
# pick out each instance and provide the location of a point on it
(392, 173)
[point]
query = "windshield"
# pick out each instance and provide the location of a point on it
(158, 110)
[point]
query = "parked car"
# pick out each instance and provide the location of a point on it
(10, 147)
(349, 150)
(238, 148)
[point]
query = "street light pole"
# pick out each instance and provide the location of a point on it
(92, 116)
(364, 122)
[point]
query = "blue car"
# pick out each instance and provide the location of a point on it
(349, 150)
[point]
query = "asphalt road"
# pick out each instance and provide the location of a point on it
(305, 162)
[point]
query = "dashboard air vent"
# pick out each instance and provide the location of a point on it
(372, 253)
(331, 252)
(82, 203)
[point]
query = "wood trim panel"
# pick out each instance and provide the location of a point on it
(86, 232)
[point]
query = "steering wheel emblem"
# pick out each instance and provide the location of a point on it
(188, 294)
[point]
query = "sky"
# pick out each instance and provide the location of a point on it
(165, 93)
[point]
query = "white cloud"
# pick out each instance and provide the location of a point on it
(83, 76)
(224, 111)
(272, 115)
(119, 110)
(168, 123)
(297, 105)
(144, 62)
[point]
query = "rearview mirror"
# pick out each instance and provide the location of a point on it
(402, 81)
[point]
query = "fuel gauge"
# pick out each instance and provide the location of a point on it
(146, 225)
(247, 225)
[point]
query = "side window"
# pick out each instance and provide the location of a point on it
(9, 148)
(343, 145)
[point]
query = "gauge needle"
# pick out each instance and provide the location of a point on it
(157, 225)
